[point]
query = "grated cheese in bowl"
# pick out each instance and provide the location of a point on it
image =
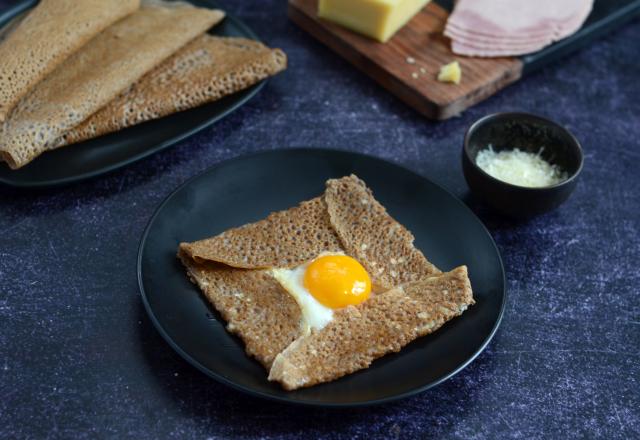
(520, 167)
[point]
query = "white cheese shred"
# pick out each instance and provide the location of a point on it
(519, 167)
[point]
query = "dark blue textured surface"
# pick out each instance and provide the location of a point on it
(79, 357)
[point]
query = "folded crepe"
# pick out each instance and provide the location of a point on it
(48, 35)
(410, 298)
(205, 70)
(383, 324)
(97, 73)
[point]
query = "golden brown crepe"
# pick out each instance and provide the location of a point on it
(383, 324)
(411, 296)
(48, 35)
(97, 73)
(283, 239)
(254, 305)
(205, 70)
(371, 236)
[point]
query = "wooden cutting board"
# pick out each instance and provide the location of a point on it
(422, 40)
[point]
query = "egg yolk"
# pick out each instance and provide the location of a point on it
(337, 281)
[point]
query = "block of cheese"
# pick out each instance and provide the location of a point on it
(378, 19)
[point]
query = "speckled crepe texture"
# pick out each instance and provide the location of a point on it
(80, 359)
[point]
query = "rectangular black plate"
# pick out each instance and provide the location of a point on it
(113, 151)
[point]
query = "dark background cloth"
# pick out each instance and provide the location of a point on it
(80, 359)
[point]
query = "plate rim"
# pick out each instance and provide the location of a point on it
(308, 403)
(22, 6)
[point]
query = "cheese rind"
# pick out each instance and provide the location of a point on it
(378, 19)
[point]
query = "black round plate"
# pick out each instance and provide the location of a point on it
(107, 153)
(248, 189)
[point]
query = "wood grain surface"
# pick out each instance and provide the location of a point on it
(413, 82)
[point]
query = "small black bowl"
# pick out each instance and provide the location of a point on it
(527, 132)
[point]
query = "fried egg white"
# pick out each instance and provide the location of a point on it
(323, 285)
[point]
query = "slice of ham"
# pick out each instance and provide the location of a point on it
(561, 29)
(512, 27)
(557, 29)
(503, 45)
(522, 17)
(463, 36)
(473, 51)
(454, 28)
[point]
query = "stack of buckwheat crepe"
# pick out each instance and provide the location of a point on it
(73, 70)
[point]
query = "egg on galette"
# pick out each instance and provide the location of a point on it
(322, 289)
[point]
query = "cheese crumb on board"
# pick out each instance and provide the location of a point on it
(519, 168)
(450, 73)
